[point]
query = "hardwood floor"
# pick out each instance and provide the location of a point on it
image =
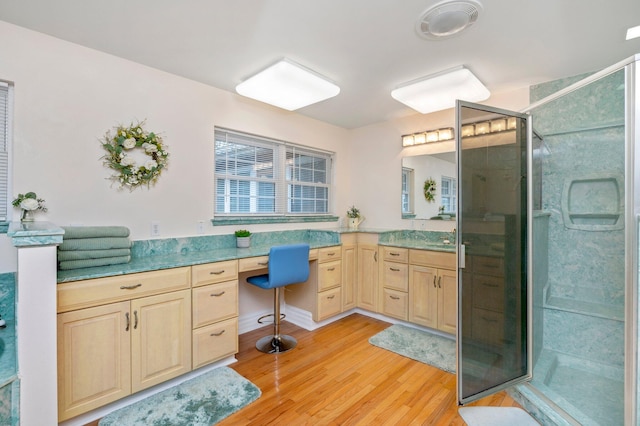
(336, 377)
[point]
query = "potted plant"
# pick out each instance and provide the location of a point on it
(355, 218)
(243, 238)
(28, 202)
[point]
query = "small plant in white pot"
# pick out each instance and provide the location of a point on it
(355, 218)
(243, 238)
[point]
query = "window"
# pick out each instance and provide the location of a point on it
(448, 194)
(407, 190)
(4, 149)
(256, 176)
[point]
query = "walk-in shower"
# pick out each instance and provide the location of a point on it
(585, 248)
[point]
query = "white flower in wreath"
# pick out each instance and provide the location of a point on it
(149, 148)
(29, 204)
(128, 161)
(129, 143)
(150, 164)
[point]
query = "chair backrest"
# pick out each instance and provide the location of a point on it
(288, 264)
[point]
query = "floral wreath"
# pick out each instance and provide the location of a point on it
(119, 148)
(429, 189)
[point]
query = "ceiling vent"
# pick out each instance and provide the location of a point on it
(448, 18)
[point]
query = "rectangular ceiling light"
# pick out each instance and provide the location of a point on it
(288, 85)
(633, 32)
(440, 91)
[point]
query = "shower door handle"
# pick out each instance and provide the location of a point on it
(461, 256)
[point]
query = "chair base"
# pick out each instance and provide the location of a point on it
(276, 344)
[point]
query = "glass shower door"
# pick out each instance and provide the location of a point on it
(493, 342)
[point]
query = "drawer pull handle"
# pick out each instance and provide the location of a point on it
(490, 285)
(394, 254)
(331, 254)
(128, 321)
(395, 297)
(434, 281)
(331, 269)
(263, 263)
(220, 333)
(395, 269)
(439, 282)
(489, 319)
(331, 297)
(130, 287)
(135, 320)
(216, 273)
(217, 294)
(489, 265)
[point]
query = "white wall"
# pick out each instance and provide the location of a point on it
(68, 96)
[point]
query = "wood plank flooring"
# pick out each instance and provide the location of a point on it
(336, 377)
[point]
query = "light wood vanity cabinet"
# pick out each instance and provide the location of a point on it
(395, 282)
(349, 270)
(433, 286)
(322, 293)
(488, 295)
(119, 335)
(107, 349)
(214, 311)
(367, 275)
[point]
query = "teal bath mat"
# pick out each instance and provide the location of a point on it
(419, 345)
(201, 401)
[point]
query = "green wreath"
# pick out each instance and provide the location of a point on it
(430, 189)
(120, 146)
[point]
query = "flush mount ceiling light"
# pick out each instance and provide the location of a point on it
(440, 91)
(448, 18)
(288, 85)
(633, 32)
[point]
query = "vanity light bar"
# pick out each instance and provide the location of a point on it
(429, 136)
(474, 129)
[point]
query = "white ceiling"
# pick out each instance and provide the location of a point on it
(367, 47)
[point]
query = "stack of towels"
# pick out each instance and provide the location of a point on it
(88, 246)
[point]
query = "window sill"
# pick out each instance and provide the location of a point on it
(408, 216)
(4, 226)
(251, 220)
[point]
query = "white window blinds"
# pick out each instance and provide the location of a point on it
(4, 150)
(260, 176)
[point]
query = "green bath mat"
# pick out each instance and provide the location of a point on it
(201, 401)
(419, 345)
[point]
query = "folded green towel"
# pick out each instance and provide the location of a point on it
(91, 254)
(88, 263)
(94, 243)
(94, 231)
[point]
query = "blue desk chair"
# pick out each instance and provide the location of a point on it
(288, 264)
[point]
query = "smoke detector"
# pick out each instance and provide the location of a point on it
(448, 18)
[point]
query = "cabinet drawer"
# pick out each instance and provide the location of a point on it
(396, 276)
(437, 259)
(329, 253)
(488, 292)
(214, 342)
(214, 273)
(395, 254)
(214, 302)
(99, 291)
(329, 274)
(395, 304)
(253, 263)
(329, 303)
(489, 265)
(487, 326)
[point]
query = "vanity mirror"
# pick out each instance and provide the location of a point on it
(429, 188)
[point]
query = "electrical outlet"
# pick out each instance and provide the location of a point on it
(200, 227)
(155, 228)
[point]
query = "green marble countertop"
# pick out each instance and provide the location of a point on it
(167, 261)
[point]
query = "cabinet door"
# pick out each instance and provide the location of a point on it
(447, 300)
(94, 364)
(349, 274)
(367, 277)
(423, 296)
(160, 339)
